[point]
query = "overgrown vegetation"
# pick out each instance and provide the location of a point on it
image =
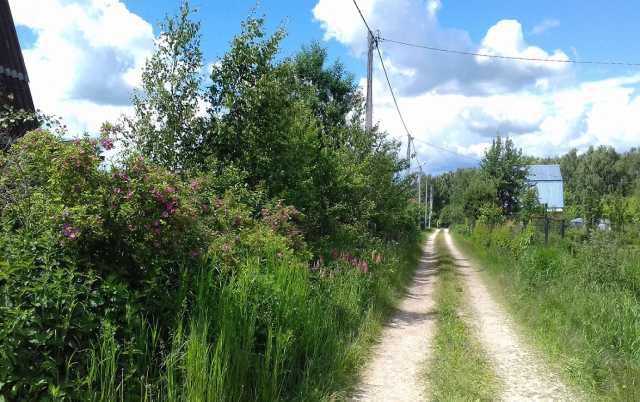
(579, 301)
(460, 369)
(244, 250)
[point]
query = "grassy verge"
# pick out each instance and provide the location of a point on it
(460, 370)
(580, 305)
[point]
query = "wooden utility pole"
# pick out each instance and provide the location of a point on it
(426, 201)
(420, 187)
(430, 205)
(369, 106)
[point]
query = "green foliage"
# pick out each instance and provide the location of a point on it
(167, 127)
(244, 252)
(529, 205)
(504, 164)
(579, 302)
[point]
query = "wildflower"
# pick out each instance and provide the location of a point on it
(107, 143)
(129, 195)
(194, 253)
(70, 232)
(195, 185)
(170, 189)
(120, 175)
(157, 195)
(117, 190)
(363, 266)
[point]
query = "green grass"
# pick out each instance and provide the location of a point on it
(580, 304)
(460, 369)
(273, 332)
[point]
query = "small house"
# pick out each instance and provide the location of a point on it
(548, 182)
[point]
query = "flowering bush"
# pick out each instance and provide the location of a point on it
(80, 244)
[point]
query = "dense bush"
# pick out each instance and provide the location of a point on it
(244, 253)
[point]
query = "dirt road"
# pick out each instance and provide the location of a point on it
(394, 372)
(524, 375)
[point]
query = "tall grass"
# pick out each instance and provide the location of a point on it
(273, 330)
(580, 302)
(460, 369)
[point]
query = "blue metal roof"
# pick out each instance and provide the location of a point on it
(544, 173)
(548, 181)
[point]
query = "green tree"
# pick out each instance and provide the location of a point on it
(167, 127)
(504, 164)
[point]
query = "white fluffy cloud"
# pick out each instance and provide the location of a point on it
(85, 61)
(418, 70)
(460, 102)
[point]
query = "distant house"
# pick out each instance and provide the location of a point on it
(14, 81)
(549, 184)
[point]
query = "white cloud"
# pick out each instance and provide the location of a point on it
(460, 102)
(416, 21)
(545, 25)
(87, 57)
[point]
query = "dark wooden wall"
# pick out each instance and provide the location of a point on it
(14, 80)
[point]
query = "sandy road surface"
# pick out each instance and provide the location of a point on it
(524, 375)
(394, 372)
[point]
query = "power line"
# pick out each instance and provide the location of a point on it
(411, 139)
(446, 150)
(520, 58)
(363, 19)
(393, 95)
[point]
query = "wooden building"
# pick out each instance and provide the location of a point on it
(14, 80)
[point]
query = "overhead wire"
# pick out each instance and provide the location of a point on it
(393, 95)
(508, 57)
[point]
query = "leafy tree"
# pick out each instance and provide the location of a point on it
(504, 164)
(529, 205)
(168, 127)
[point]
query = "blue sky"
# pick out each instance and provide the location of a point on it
(84, 66)
(594, 29)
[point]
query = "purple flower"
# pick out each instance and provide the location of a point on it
(195, 184)
(70, 232)
(121, 175)
(157, 195)
(170, 189)
(194, 253)
(107, 143)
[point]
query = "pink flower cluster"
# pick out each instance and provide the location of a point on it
(120, 175)
(70, 232)
(355, 262)
(107, 143)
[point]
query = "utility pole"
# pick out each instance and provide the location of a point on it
(409, 152)
(426, 201)
(430, 205)
(369, 107)
(419, 182)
